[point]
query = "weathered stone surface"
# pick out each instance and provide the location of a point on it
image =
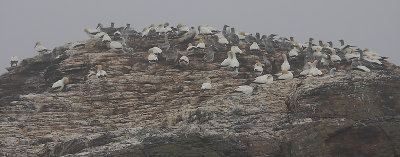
(144, 109)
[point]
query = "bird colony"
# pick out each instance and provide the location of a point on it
(205, 42)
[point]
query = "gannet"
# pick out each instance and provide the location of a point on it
(267, 78)
(258, 68)
(204, 30)
(40, 48)
(59, 85)
(209, 57)
(115, 45)
(182, 28)
(160, 28)
(126, 48)
(145, 32)
(241, 35)
(117, 33)
(228, 60)
(91, 73)
(106, 38)
(206, 85)
(373, 54)
(14, 60)
(314, 70)
(184, 60)
(324, 60)
(344, 46)
(295, 51)
(334, 57)
(254, 47)
(285, 65)
(91, 32)
(222, 40)
(245, 89)
(286, 75)
(236, 50)
(350, 54)
(373, 59)
(190, 47)
(317, 52)
(234, 62)
(100, 72)
(201, 45)
(75, 45)
(212, 29)
(99, 35)
(189, 35)
(157, 51)
(152, 58)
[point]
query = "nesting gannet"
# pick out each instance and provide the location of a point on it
(160, 28)
(267, 78)
(59, 85)
(206, 85)
(373, 59)
(152, 58)
(182, 28)
(286, 75)
(228, 60)
(190, 47)
(317, 52)
(374, 55)
(40, 48)
(324, 60)
(295, 51)
(258, 68)
(245, 89)
(236, 50)
(344, 46)
(241, 35)
(100, 72)
(184, 60)
(234, 62)
(201, 45)
(106, 38)
(91, 32)
(145, 32)
(285, 65)
(334, 57)
(212, 29)
(91, 73)
(115, 45)
(204, 30)
(99, 35)
(209, 57)
(314, 70)
(14, 61)
(222, 40)
(351, 54)
(117, 33)
(254, 47)
(75, 45)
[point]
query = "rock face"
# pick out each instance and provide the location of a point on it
(144, 109)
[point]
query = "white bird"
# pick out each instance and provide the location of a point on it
(14, 60)
(334, 57)
(91, 73)
(286, 75)
(324, 60)
(201, 45)
(285, 65)
(267, 78)
(75, 45)
(236, 50)
(100, 72)
(204, 30)
(363, 68)
(184, 60)
(228, 60)
(145, 32)
(152, 58)
(190, 47)
(241, 35)
(106, 38)
(373, 59)
(317, 52)
(40, 48)
(91, 32)
(254, 47)
(314, 70)
(182, 28)
(294, 52)
(116, 46)
(99, 35)
(245, 89)
(160, 28)
(351, 54)
(156, 50)
(59, 85)
(117, 33)
(258, 68)
(206, 85)
(234, 62)
(222, 40)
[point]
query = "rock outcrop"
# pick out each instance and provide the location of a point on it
(144, 109)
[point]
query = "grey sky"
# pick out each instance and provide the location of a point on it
(365, 23)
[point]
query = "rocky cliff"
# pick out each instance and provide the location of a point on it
(144, 109)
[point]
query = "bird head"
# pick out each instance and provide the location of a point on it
(318, 49)
(366, 49)
(259, 63)
(37, 43)
(99, 67)
(348, 50)
(309, 63)
(152, 25)
(190, 44)
(86, 30)
(150, 51)
(315, 62)
(242, 33)
(66, 80)
(285, 72)
(325, 45)
(144, 29)
(333, 52)
(179, 25)
(201, 40)
(283, 56)
(374, 54)
(208, 79)
(269, 75)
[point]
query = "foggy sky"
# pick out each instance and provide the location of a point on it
(365, 23)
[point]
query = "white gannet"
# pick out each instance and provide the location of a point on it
(222, 40)
(14, 60)
(258, 68)
(363, 68)
(152, 58)
(236, 50)
(115, 45)
(374, 55)
(351, 54)
(267, 78)
(99, 35)
(245, 89)
(40, 48)
(314, 70)
(91, 32)
(160, 28)
(286, 75)
(285, 65)
(324, 60)
(212, 29)
(182, 28)
(228, 60)
(241, 35)
(145, 32)
(91, 73)
(106, 38)
(184, 60)
(373, 59)
(206, 85)
(75, 45)
(295, 51)
(344, 46)
(117, 33)
(204, 30)
(201, 45)
(254, 47)
(100, 72)
(190, 47)
(306, 69)
(334, 57)
(234, 62)
(317, 52)
(59, 85)
(157, 51)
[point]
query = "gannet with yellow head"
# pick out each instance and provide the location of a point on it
(241, 35)
(152, 58)
(40, 48)
(184, 60)
(14, 61)
(286, 75)
(91, 32)
(201, 45)
(204, 30)
(206, 85)
(254, 47)
(190, 47)
(334, 57)
(285, 65)
(228, 60)
(100, 72)
(258, 68)
(59, 85)
(246, 89)
(267, 78)
(295, 51)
